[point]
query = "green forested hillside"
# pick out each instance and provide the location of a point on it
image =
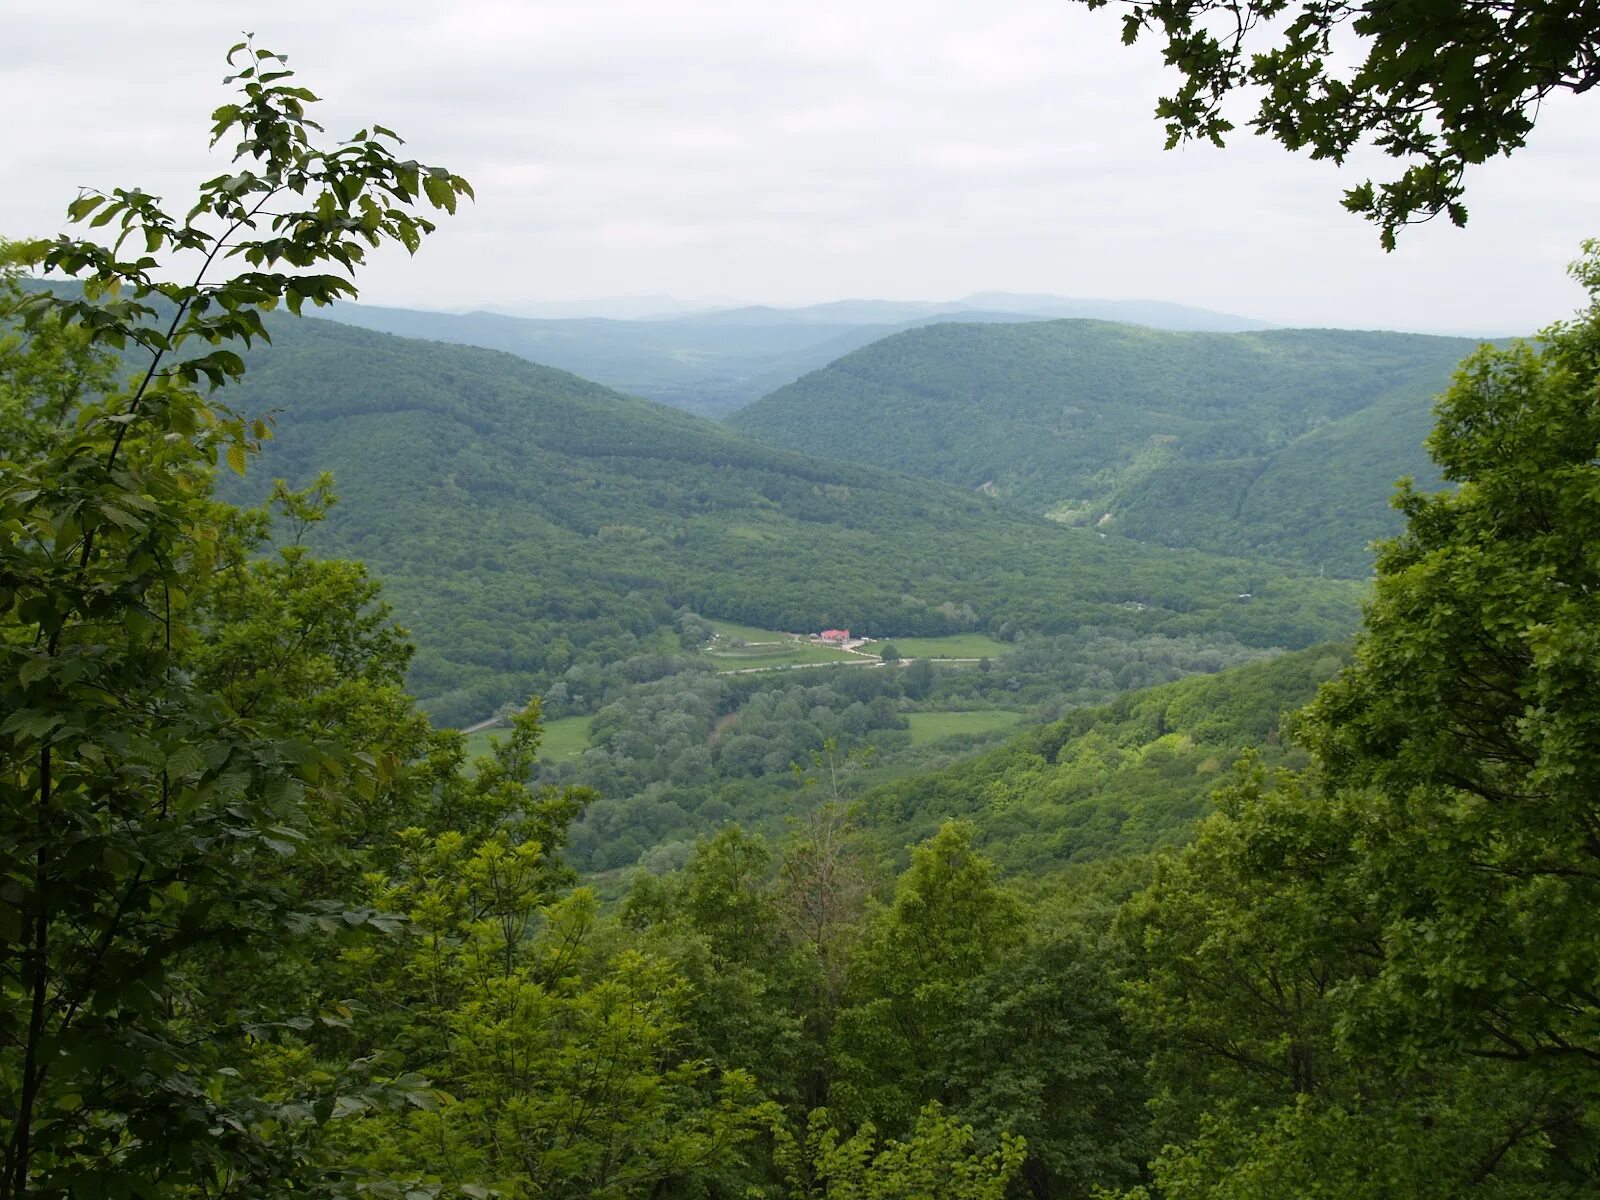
(1281, 443)
(525, 520)
(1125, 778)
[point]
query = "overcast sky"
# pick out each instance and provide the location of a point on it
(790, 153)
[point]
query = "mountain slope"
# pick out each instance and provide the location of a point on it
(1122, 778)
(715, 362)
(525, 520)
(701, 364)
(1283, 443)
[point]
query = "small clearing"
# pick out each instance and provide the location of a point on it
(931, 726)
(956, 645)
(565, 739)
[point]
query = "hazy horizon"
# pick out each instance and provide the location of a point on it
(791, 154)
(666, 307)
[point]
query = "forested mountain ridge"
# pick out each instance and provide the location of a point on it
(1279, 443)
(525, 520)
(709, 365)
(1158, 314)
(714, 362)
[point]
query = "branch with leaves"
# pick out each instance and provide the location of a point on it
(1441, 87)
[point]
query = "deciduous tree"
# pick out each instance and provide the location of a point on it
(1442, 87)
(141, 811)
(1471, 715)
(1379, 978)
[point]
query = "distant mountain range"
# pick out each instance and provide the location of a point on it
(713, 363)
(1282, 443)
(1010, 305)
(617, 308)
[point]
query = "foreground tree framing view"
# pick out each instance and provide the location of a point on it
(1114, 870)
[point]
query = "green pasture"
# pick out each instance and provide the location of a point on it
(931, 726)
(747, 633)
(565, 739)
(795, 654)
(956, 645)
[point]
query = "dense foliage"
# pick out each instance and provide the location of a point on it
(1120, 779)
(527, 521)
(1281, 444)
(1377, 976)
(148, 793)
(952, 991)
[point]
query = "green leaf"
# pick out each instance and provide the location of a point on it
(439, 192)
(83, 206)
(186, 760)
(118, 517)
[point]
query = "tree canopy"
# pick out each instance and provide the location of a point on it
(147, 800)
(1440, 86)
(1378, 976)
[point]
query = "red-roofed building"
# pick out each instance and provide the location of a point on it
(836, 635)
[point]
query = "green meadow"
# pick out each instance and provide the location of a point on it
(565, 739)
(931, 726)
(956, 645)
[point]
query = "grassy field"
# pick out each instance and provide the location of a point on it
(565, 740)
(957, 645)
(767, 648)
(801, 654)
(747, 633)
(931, 726)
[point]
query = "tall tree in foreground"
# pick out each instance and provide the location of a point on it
(559, 1044)
(1383, 978)
(1472, 716)
(143, 814)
